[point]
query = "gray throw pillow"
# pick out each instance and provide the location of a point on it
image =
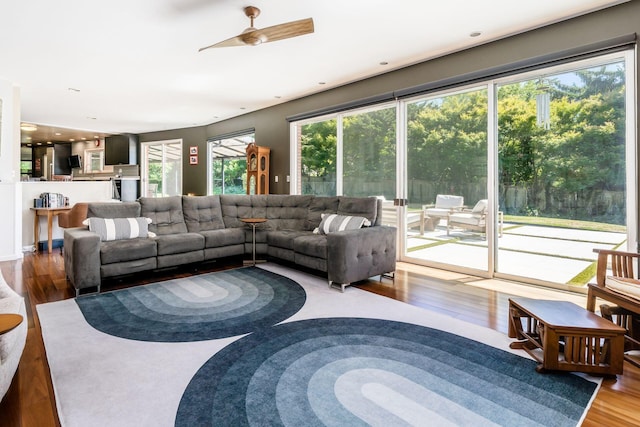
(119, 228)
(332, 222)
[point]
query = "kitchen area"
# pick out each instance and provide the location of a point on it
(93, 168)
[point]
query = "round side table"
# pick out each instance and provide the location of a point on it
(9, 322)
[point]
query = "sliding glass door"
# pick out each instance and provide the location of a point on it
(446, 146)
(563, 170)
(520, 177)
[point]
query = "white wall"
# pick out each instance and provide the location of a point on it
(10, 188)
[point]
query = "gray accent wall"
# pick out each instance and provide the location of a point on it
(272, 129)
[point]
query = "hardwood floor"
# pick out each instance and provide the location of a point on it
(40, 278)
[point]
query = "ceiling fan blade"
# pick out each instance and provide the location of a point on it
(233, 41)
(288, 30)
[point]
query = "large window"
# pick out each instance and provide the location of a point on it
(161, 168)
(350, 154)
(228, 164)
(317, 144)
(544, 161)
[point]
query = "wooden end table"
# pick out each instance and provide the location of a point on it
(561, 336)
(9, 321)
(253, 222)
(49, 213)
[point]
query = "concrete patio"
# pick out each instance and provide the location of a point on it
(549, 254)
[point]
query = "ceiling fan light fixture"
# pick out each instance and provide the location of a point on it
(253, 36)
(28, 127)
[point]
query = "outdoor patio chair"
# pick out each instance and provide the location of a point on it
(617, 282)
(390, 216)
(473, 219)
(445, 204)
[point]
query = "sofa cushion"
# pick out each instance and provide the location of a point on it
(284, 238)
(359, 206)
(333, 222)
(118, 228)
(113, 210)
(202, 213)
(287, 212)
(314, 245)
(127, 250)
(179, 243)
(317, 207)
(165, 213)
(223, 237)
(234, 207)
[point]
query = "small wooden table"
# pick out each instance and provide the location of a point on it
(564, 337)
(253, 222)
(9, 322)
(49, 213)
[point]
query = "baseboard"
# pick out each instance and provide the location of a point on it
(12, 257)
(55, 243)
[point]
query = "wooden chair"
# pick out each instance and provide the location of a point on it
(73, 218)
(618, 267)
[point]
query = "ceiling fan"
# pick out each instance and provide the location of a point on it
(253, 36)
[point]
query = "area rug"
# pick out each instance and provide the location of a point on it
(299, 354)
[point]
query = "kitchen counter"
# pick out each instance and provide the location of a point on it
(106, 178)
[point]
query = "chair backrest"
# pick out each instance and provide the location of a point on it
(480, 207)
(74, 217)
(447, 201)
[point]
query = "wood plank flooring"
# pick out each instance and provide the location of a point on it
(40, 278)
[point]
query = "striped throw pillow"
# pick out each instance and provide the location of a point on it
(119, 228)
(332, 222)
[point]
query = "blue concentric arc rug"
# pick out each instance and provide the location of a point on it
(273, 346)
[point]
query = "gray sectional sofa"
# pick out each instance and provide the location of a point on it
(192, 229)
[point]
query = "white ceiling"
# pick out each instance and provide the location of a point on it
(134, 66)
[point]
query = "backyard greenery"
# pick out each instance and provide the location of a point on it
(569, 167)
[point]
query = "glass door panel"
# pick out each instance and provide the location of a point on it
(317, 145)
(562, 172)
(369, 154)
(446, 183)
(162, 168)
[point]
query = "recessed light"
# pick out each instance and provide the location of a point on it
(39, 143)
(475, 34)
(96, 136)
(384, 63)
(73, 89)
(71, 139)
(49, 142)
(277, 97)
(243, 108)
(58, 134)
(28, 127)
(84, 139)
(91, 118)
